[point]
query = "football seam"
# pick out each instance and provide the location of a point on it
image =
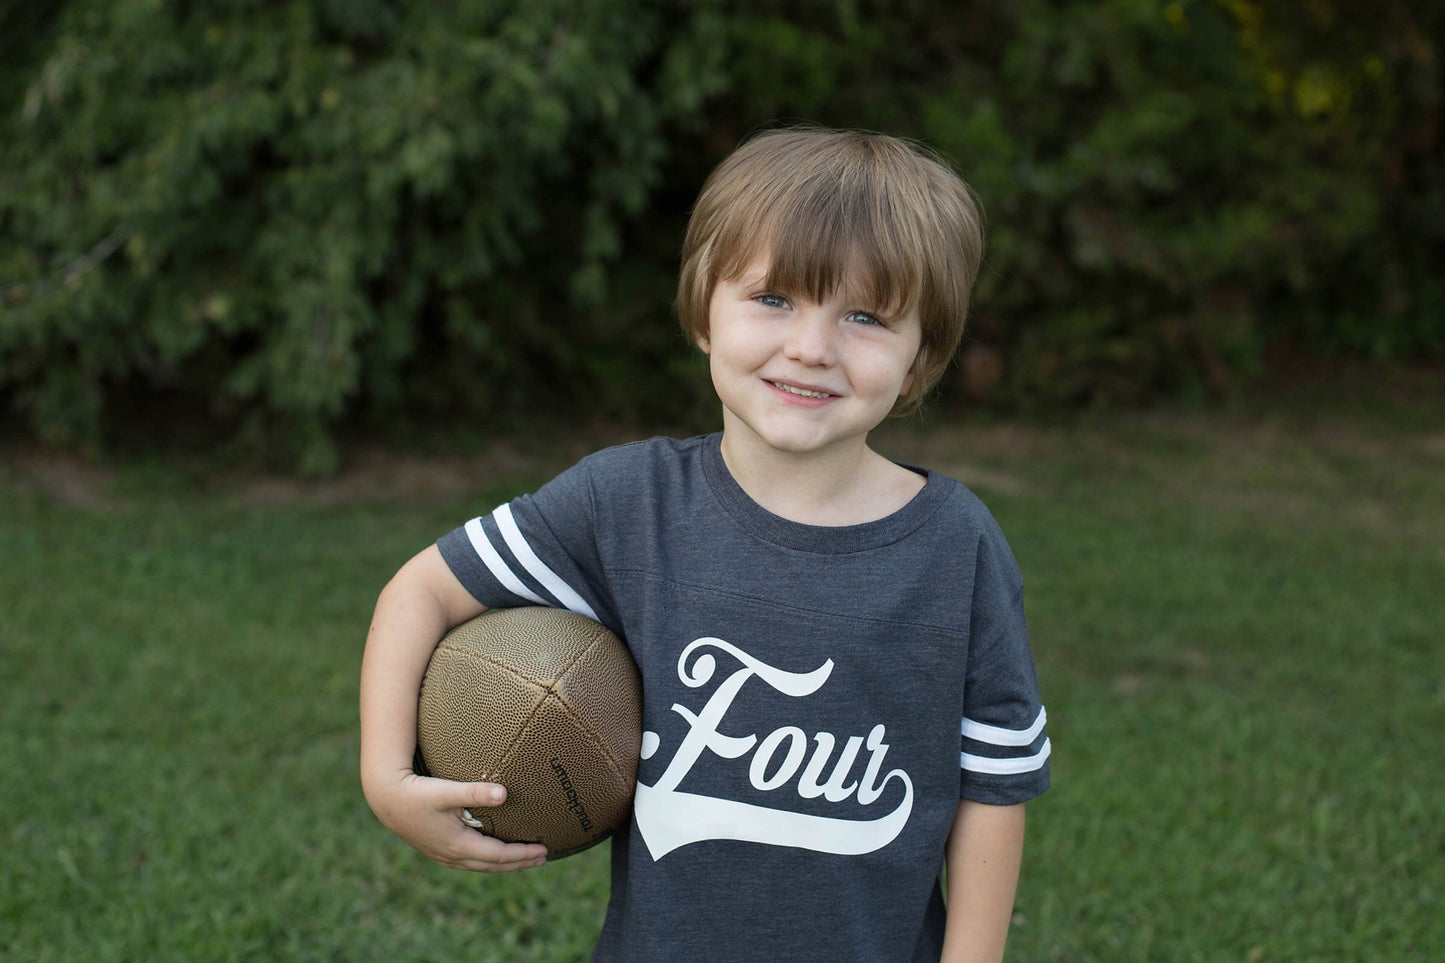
(544, 683)
(583, 725)
(549, 688)
(587, 646)
(506, 754)
(612, 761)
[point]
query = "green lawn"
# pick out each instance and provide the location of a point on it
(1238, 626)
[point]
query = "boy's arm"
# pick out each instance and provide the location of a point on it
(984, 851)
(421, 602)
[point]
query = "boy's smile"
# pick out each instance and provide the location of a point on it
(803, 377)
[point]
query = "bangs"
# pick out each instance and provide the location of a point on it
(837, 228)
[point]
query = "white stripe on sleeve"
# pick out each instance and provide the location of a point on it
(494, 563)
(1005, 767)
(998, 736)
(536, 567)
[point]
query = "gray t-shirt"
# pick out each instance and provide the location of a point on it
(815, 699)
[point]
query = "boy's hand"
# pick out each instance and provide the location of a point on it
(427, 814)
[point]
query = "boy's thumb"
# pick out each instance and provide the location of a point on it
(484, 794)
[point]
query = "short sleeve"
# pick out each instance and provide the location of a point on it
(537, 549)
(1004, 749)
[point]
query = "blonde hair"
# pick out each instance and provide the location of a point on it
(885, 216)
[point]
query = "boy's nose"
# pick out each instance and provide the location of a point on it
(810, 340)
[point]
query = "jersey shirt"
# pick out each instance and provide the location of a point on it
(815, 699)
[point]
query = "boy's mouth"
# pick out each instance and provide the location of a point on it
(800, 392)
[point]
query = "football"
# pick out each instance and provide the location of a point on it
(548, 704)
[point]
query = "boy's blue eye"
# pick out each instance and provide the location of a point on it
(772, 300)
(863, 317)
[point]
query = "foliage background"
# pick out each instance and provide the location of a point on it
(288, 220)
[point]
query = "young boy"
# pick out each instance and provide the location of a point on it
(838, 689)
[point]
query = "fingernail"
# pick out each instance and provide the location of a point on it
(497, 793)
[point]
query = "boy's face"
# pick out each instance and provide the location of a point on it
(804, 377)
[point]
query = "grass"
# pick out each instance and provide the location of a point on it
(1237, 622)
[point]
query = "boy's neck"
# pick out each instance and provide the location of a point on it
(847, 485)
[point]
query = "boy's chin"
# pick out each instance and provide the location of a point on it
(798, 442)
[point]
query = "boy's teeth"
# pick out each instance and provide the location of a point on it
(800, 391)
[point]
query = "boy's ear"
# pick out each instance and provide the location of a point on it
(703, 344)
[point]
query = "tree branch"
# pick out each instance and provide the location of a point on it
(71, 273)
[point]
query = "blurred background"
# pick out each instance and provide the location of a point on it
(288, 288)
(264, 227)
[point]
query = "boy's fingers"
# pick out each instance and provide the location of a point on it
(485, 851)
(480, 851)
(506, 853)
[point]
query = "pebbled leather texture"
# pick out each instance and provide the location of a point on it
(547, 703)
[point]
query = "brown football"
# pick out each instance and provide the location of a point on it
(547, 703)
